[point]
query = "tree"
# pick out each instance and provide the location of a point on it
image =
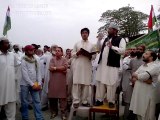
(130, 22)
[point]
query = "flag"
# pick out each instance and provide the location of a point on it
(7, 24)
(152, 19)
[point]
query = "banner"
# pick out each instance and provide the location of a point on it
(150, 40)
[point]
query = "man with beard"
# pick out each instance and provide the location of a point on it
(145, 81)
(135, 63)
(126, 72)
(107, 74)
(7, 80)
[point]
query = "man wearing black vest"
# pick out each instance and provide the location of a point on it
(109, 63)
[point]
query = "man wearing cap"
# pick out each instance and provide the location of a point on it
(109, 63)
(30, 83)
(7, 79)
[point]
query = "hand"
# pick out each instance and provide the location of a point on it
(34, 87)
(134, 75)
(149, 81)
(51, 69)
(133, 80)
(39, 87)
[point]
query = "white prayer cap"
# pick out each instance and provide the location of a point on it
(54, 45)
(114, 25)
(100, 35)
(3, 38)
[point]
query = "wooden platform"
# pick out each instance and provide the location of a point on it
(111, 112)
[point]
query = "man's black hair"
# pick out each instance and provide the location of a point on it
(85, 29)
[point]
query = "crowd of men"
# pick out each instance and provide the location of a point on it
(49, 79)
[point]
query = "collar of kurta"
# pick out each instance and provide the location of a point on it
(1, 53)
(84, 40)
(148, 64)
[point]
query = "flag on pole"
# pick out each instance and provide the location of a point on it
(7, 24)
(152, 19)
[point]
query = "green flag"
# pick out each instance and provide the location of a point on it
(7, 24)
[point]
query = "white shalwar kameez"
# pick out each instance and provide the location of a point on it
(44, 97)
(8, 84)
(144, 95)
(107, 76)
(82, 72)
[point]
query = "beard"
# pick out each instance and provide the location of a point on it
(16, 49)
(145, 60)
(133, 54)
(139, 54)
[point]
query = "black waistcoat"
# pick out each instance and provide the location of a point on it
(113, 57)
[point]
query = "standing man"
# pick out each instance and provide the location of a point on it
(7, 79)
(57, 84)
(134, 64)
(109, 63)
(143, 99)
(47, 59)
(46, 49)
(125, 82)
(31, 83)
(82, 70)
(18, 56)
(69, 79)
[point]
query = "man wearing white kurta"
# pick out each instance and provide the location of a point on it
(47, 58)
(18, 56)
(7, 80)
(82, 70)
(144, 94)
(108, 69)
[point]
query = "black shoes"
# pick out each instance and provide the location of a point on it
(75, 105)
(86, 105)
(98, 103)
(111, 105)
(30, 107)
